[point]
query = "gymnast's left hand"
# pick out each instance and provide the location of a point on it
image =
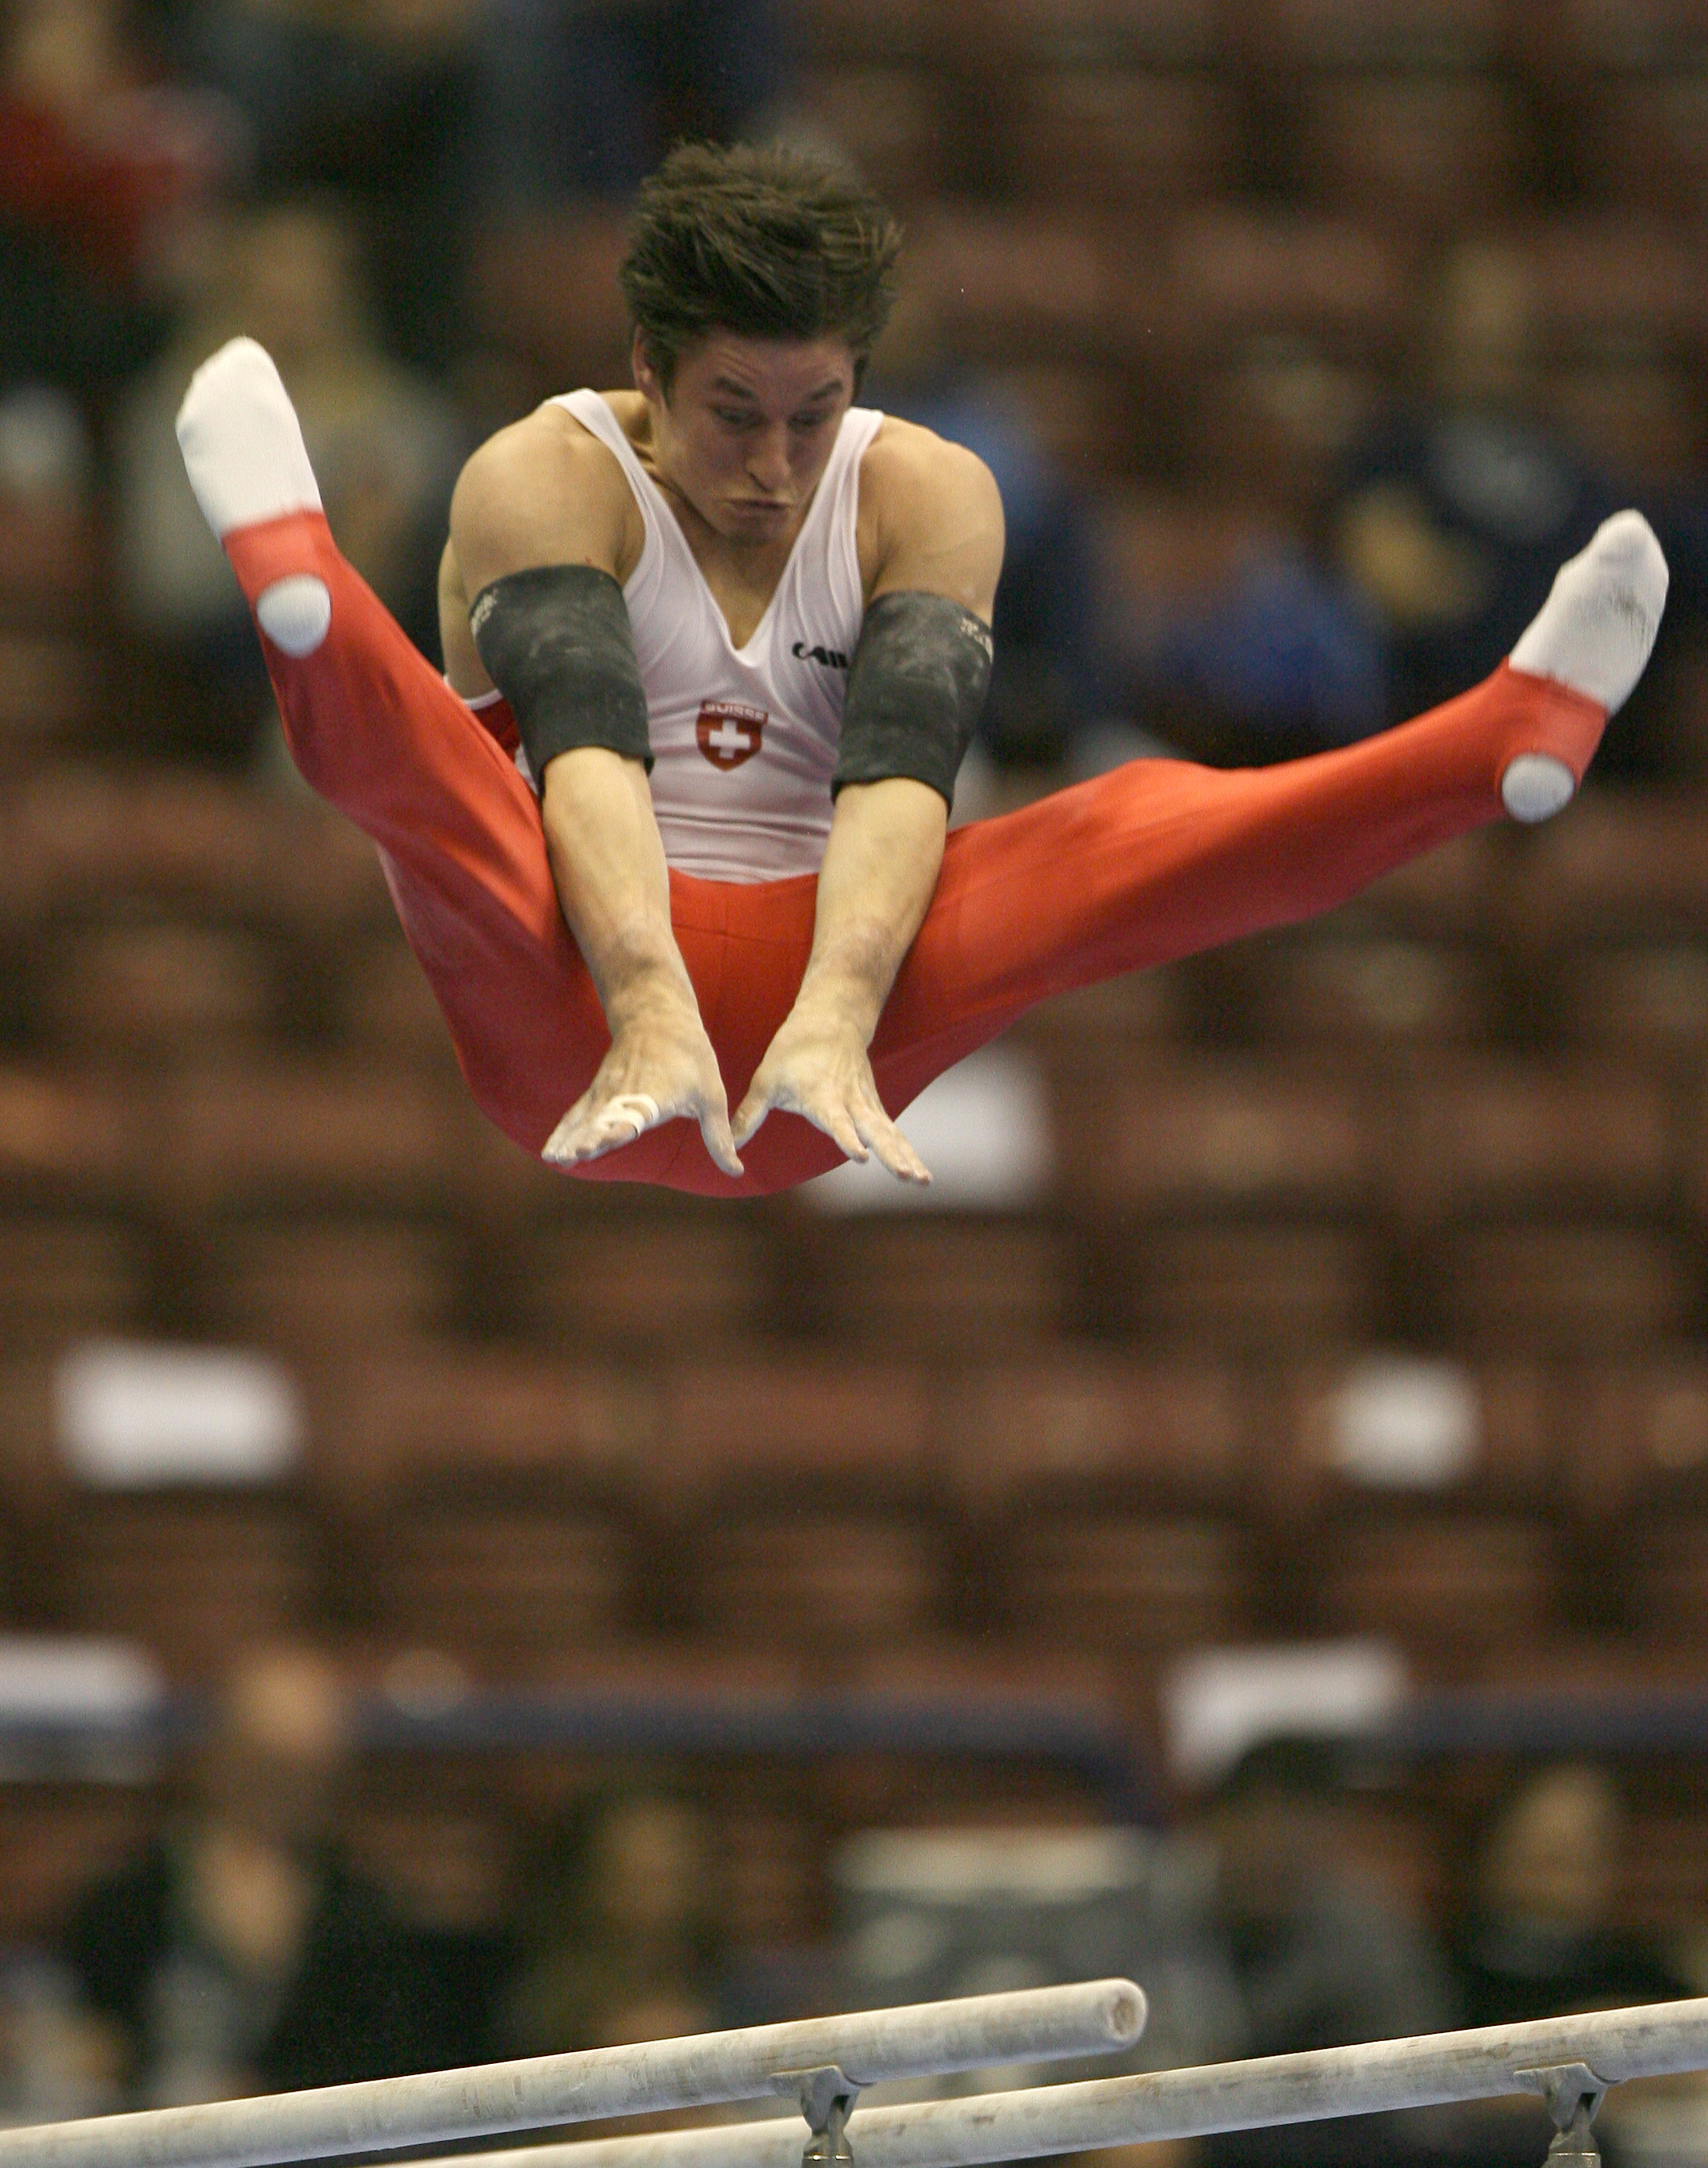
(817, 1067)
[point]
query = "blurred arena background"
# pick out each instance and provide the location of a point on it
(1249, 1526)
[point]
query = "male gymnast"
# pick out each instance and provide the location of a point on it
(671, 833)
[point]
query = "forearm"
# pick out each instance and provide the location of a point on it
(608, 864)
(875, 885)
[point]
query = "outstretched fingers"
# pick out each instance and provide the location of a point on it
(856, 1124)
(603, 1120)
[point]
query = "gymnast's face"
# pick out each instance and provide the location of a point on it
(748, 428)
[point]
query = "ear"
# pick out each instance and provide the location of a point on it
(646, 376)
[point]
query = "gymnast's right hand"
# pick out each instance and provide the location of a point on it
(659, 1066)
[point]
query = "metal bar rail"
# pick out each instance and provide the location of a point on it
(1569, 2062)
(824, 2059)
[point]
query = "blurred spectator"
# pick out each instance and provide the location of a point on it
(374, 100)
(617, 1927)
(1455, 513)
(238, 1953)
(100, 167)
(585, 99)
(1323, 1955)
(1045, 686)
(385, 445)
(1539, 1937)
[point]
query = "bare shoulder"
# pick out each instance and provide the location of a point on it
(908, 469)
(543, 491)
(931, 517)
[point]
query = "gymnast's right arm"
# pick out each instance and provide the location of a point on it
(541, 532)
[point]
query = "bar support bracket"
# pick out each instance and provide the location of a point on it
(1573, 2093)
(827, 2099)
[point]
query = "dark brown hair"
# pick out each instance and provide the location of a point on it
(761, 240)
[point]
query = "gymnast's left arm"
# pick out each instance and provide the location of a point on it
(918, 680)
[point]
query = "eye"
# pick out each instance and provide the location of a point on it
(732, 418)
(808, 423)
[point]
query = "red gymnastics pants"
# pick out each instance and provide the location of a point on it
(1150, 862)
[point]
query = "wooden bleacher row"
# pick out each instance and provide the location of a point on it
(1553, 39)
(103, 840)
(681, 1437)
(509, 1511)
(517, 1589)
(1441, 151)
(742, 1278)
(1182, 1135)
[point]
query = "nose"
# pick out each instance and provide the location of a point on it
(767, 460)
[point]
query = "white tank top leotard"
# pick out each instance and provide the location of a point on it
(744, 739)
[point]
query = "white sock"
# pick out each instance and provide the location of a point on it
(1594, 634)
(241, 441)
(1595, 630)
(243, 451)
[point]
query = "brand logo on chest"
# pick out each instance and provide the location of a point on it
(827, 658)
(730, 731)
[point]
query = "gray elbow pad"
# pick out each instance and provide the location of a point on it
(915, 691)
(557, 643)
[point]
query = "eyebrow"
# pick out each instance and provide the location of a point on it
(825, 391)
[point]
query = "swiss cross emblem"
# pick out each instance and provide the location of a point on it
(730, 731)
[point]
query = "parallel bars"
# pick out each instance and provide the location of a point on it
(1569, 2062)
